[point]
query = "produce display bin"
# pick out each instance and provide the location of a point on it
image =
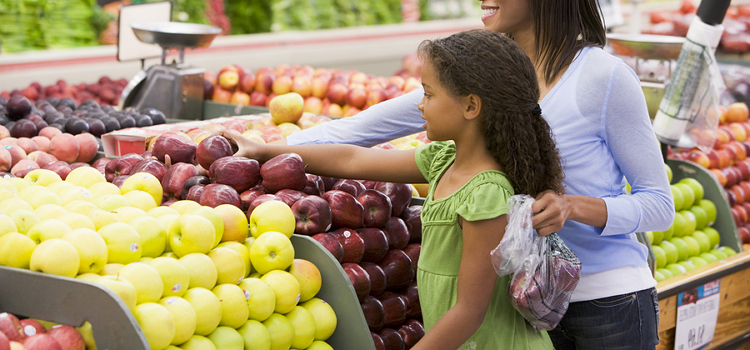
(212, 110)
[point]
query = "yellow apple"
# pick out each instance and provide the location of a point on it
(144, 182)
(123, 243)
(76, 220)
(26, 192)
(110, 202)
(156, 321)
(325, 317)
(281, 331)
(210, 214)
(319, 345)
(249, 242)
(271, 251)
(101, 218)
(126, 214)
(227, 338)
(59, 186)
(161, 210)
(166, 221)
(308, 276)
(241, 250)
(42, 177)
(46, 229)
(50, 211)
(6, 193)
(85, 176)
(9, 205)
(235, 223)
(255, 335)
(285, 287)
(230, 265)
(147, 259)
(88, 334)
(80, 206)
(112, 269)
(101, 188)
(145, 279)
(191, 233)
(15, 250)
(153, 235)
(19, 183)
(174, 276)
(304, 327)
(198, 342)
(7, 224)
(8, 185)
(207, 309)
(233, 306)
(201, 269)
(272, 216)
(92, 250)
(260, 298)
(55, 256)
(140, 199)
(184, 205)
(24, 220)
(286, 108)
(89, 277)
(75, 193)
(40, 198)
(122, 287)
(184, 317)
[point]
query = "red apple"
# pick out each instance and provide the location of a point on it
(239, 173)
(397, 233)
(416, 325)
(284, 171)
(328, 182)
(247, 197)
(264, 82)
(312, 214)
(122, 165)
(400, 195)
(260, 199)
(352, 187)
(395, 309)
(290, 196)
(68, 337)
(337, 93)
(212, 148)
(195, 192)
(409, 335)
(377, 207)
(174, 179)
(315, 185)
(151, 166)
(118, 181)
(376, 96)
(413, 220)
(60, 168)
(101, 163)
(413, 250)
(218, 194)
(377, 277)
(376, 243)
(398, 269)
(378, 341)
(11, 327)
(359, 278)
(191, 182)
(347, 212)
(374, 312)
(257, 98)
(247, 82)
(179, 149)
(41, 342)
(356, 97)
(353, 244)
(331, 244)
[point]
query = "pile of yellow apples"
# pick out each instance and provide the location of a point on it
(194, 277)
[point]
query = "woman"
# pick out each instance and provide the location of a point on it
(596, 109)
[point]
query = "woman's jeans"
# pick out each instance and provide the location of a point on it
(628, 321)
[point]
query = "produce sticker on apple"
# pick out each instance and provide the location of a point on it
(697, 312)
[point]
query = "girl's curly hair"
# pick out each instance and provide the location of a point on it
(494, 68)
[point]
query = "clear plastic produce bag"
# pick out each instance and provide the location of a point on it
(545, 271)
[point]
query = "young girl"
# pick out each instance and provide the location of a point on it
(481, 92)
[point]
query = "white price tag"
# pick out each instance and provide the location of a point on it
(697, 311)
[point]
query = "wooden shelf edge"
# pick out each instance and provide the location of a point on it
(697, 277)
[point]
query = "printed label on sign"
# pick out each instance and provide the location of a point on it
(134, 247)
(697, 312)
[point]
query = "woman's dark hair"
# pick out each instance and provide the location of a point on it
(494, 68)
(558, 25)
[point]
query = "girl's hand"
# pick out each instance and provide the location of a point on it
(550, 212)
(246, 148)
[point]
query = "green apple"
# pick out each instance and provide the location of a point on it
(718, 254)
(161, 210)
(677, 198)
(75, 193)
(126, 214)
(210, 214)
(174, 276)
(690, 222)
(55, 256)
(656, 237)
(198, 342)
(703, 241)
(701, 218)
(235, 223)
(145, 182)
(191, 233)
(676, 269)
(46, 229)
(146, 280)
(319, 345)
(726, 250)
(91, 247)
(272, 216)
(157, 324)
(308, 276)
(325, 318)
(241, 250)
(229, 265)
(660, 256)
(15, 250)
(695, 186)
(666, 273)
(650, 237)
(304, 327)
(688, 195)
(207, 309)
(24, 220)
(184, 317)
(140, 199)
(692, 245)
(271, 251)
(255, 335)
(285, 287)
(670, 250)
(110, 202)
(260, 298)
(698, 261)
(658, 276)
(713, 236)
(9, 205)
(122, 287)
(233, 306)
(201, 269)
(183, 206)
(112, 269)
(85, 176)
(101, 218)
(281, 331)
(710, 209)
(102, 188)
(687, 264)
(227, 338)
(669, 172)
(152, 232)
(682, 248)
(7, 224)
(123, 243)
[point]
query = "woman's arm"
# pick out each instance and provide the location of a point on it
(342, 161)
(380, 123)
(476, 284)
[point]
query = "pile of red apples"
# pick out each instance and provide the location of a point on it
(30, 334)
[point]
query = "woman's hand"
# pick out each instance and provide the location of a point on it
(550, 212)
(245, 147)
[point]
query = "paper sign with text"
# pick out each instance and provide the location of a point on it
(697, 311)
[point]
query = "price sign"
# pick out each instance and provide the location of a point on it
(697, 311)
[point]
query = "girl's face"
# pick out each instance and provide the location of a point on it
(506, 16)
(443, 112)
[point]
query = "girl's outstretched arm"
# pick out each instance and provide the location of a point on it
(342, 161)
(476, 283)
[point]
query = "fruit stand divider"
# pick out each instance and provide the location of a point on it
(351, 331)
(72, 302)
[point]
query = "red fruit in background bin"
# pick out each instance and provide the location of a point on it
(195, 192)
(100, 164)
(41, 342)
(376, 243)
(290, 196)
(352, 187)
(410, 294)
(60, 168)
(215, 195)
(374, 312)
(395, 309)
(347, 212)
(122, 165)
(415, 311)
(247, 197)
(377, 277)
(315, 185)
(328, 182)
(330, 243)
(284, 171)
(377, 207)
(353, 244)
(193, 181)
(212, 148)
(312, 214)
(151, 166)
(378, 341)
(409, 335)
(397, 267)
(11, 327)
(175, 178)
(400, 195)
(416, 325)
(179, 149)
(359, 278)
(412, 219)
(413, 250)
(239, 173)
(68, 337)
(392, 339)
(397, 233)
